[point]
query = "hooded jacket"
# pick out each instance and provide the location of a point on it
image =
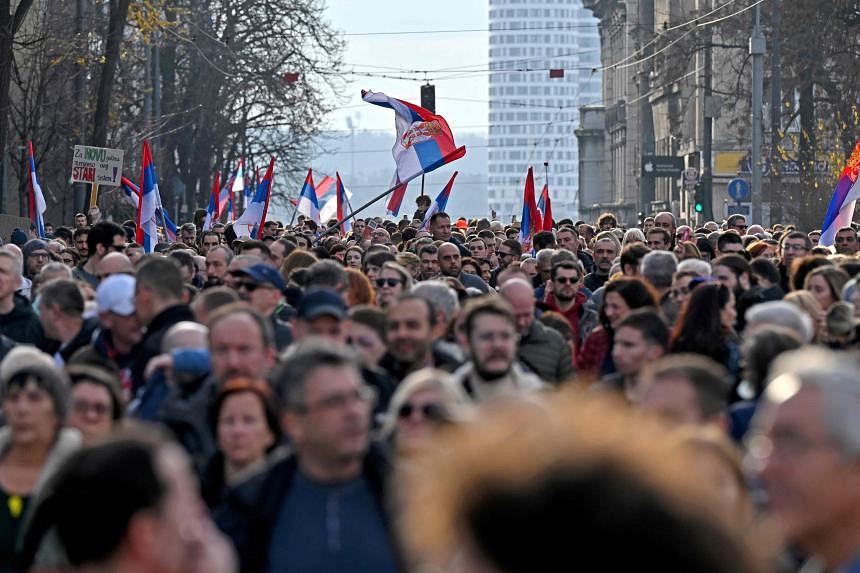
(21, 323)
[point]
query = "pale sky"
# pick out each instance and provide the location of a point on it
(392, 53)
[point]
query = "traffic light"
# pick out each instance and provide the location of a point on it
(699, 198)
(428, 97)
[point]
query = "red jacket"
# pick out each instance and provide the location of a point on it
(572, 314)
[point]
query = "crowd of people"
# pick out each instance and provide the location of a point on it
(399, 398)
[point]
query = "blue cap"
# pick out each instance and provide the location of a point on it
(321, 302)
(265, 274)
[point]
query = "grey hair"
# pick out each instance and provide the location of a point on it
(850, 289)
(834, 375)
(780, 313)
(632, 235)
(326, 274)
(440, 295)
(672, 216)
(299, 361)
(698, 266)
(55, 267)
(658, 267)
(228, 253)
(17, 262)
(175, 337)
(545, 255)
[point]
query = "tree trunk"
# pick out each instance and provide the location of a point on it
(116, 27)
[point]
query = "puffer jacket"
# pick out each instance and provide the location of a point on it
(545, 352)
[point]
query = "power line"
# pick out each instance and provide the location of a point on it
(470, 30)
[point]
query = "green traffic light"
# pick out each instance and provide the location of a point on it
(699, 208)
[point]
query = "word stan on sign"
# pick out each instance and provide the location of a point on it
(97, 165)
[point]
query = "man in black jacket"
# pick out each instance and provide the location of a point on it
(18, 321)
(322, 508)
(158, 300)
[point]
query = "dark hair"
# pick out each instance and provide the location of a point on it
(802, 266)
(632, 254)
(102, 233)
(566, 265)
(326, 274)
(710, 379)
(699, 328)
(667, 238)
(515, 246)
(216, 297)
(246, 245)
(184, 259)
(267, 332)
(729, 237)
(299, 362)
(766, 269)
(761, 349)
(93, 497)
(377, 259)
(736, 263)
(104, 377)
(370, 316)
(439, 215)
(557, 322)
(65, 294)
(162, 276)
(431, 249)
(607, 218)
(652, 327)
(636, 292)
(543, 240)
(431, 308)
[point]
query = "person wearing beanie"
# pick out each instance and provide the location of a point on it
(34, 395)
(18, 237)
(36, 256)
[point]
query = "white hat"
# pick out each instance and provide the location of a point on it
(116, 294)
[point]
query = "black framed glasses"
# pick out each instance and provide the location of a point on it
(391, 282)
(248, 286)
(566, 280)
(432, 412)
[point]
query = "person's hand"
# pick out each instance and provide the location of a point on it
(161, 362)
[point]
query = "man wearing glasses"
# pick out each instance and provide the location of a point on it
(508, 252)
(263, 288)
(325, 503)
(792, 246)
(738, 223)
(564, 296)
(104, 237)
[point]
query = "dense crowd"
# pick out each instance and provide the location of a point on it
(402, 398)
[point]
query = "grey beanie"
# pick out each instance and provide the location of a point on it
(29, 360)
(33, 245)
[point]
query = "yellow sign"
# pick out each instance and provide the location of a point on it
(727, 162)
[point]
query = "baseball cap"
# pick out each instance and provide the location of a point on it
(264, 274)
(321, 302)
(116, 294)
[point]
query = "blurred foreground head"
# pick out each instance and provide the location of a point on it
(578, 481)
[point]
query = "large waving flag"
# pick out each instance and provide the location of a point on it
(36, 203)
(150, 203)
(441, 201)
(254, 217)
(531, 216)
(424, 140)
(323, 187)
(545, 207)
(396, 199)
(132, 195)
(342, 202)
(840, 212)
(308, 205)
(333, 209)
(213, 212)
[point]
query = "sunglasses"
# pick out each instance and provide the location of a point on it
(566, 280)
(250, 287)
(380, 282)
(433, 412)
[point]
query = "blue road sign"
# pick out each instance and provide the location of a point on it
(738, 189)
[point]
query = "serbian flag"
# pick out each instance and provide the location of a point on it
(439, 204)
(149, 204)
(250, 224)
(545, 207)
(342, 201)
(424, 140)
(323, 187)
(213, 211)
(840, 212)
(132, 195)
(308, 204)
(531, 216)
(36, 203)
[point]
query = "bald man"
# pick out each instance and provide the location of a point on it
(542, 349)
(451, 265)
(113, 264)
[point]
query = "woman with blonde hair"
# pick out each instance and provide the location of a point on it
(632, 236)
(687, 250)
(810, 305)
(826, 284)
(393, 280)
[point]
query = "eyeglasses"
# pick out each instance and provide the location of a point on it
(432, 412)
(565, 280)
(338, 401)
(790, 247)
(250, 287)
(82, 407)
(504, 254)
(391, 282)
(38, 255)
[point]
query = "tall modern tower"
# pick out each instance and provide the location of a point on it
(533, 115)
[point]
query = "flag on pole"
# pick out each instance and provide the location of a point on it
(440, 202)
(424, 142)
(308, 205)
(213, 211)
(342, 199)
(396, 199)
(322, 187)
(531, 216)
(840, 212)
(36, 203)
(545, 207)
(329, 211)
(150, 203)
(250, 224)
(132, 195)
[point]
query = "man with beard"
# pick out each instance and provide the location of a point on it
(491, 332)
(429, 256)
(734, 271)
(451, 265)
(218, 260)
(606, 248)
(792, 246)
(564, 296)
(409, 335)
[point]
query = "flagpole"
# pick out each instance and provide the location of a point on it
(295, 210)
(447, 159)
(422, 184)
(546, 174)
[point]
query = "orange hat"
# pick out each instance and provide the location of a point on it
(461, 223)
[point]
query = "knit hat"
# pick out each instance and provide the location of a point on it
(29, 360)
(33, 245)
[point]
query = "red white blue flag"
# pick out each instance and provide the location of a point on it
(254, 217)
(531, 216)
(840, 212)
(441, 201)
(150, 202)
(132, 195)
(36, 203)
(308, 204)
(396, 199)
(213, 212)
(342, 202)
(424, 142)
(545, 207)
